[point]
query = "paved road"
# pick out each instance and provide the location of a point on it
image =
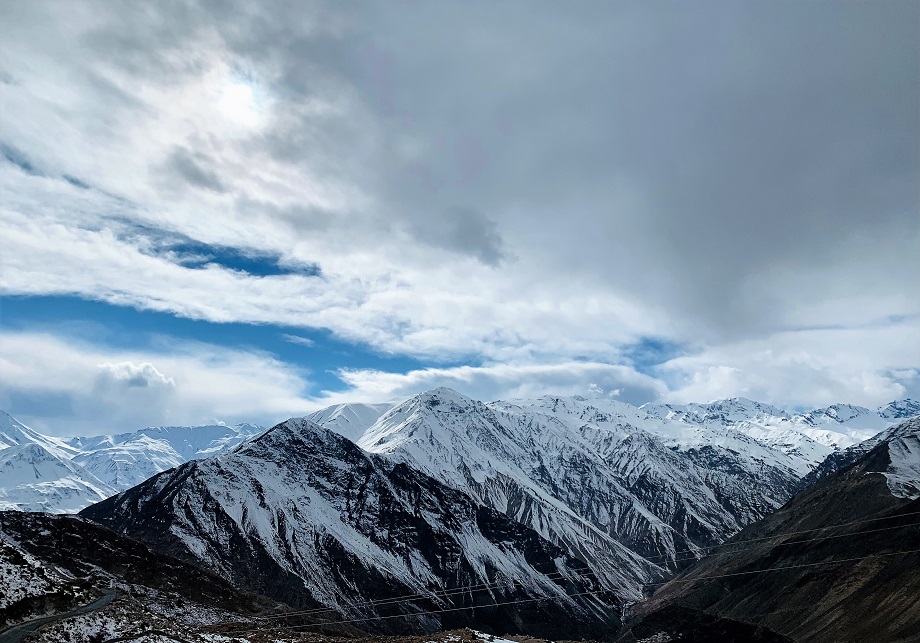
(17, 633)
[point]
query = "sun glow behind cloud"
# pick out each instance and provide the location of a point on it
(399, 186)
(237, 102)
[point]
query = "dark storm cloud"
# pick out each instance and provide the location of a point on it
(692, 155)
(463, 230)
(192, 167)
(683, 150)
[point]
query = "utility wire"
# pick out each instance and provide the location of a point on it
(511, 582)
(546, 598)
(771, 569)
(809, 540)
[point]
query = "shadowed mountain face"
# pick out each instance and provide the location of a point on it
(849, 582)
(303, 515)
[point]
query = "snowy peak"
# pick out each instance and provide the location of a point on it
(903, 474)
(188, 441)
(76, 472)
(900, 409)
(441, 420)
(296, 433)
(15, 433)
(724, 412)
(840, 413)
(33, 478)
(349, 420)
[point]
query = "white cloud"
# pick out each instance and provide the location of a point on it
(869, 366)
(105, 389)
(72, 386)
(131, 375)
(503, 381)
(297, 339)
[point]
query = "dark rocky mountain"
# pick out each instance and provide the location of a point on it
(839, 562)
(304, 516)
(51, 563)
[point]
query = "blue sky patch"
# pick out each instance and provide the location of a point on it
(650, 352)
(317, 352)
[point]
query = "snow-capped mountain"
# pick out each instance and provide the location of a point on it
(44, 473)
(628, 494)
(32, 478)
(596, 476)
(300, 513)
(626, 491)
(15, 433)
(127, 459)
(900, 410)
(808, 437)
(713, 435)
(37, 472)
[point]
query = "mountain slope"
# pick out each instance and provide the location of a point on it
(349, 420)
(834, 555)
(300, 513)
(52, 563)
(622, 497)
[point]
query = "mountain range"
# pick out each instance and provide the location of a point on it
(548, 516)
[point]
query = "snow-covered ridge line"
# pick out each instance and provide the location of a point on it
(304, 515)
(75, 472)
(64, 475)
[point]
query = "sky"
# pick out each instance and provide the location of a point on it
(236, 211)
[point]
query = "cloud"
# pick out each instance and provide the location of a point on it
(67, 385)
(547, 193)
(131, 375)
(97, 389)
(192, 168)
(297, 339)
(503, 381)
(466, 231)
(806, 369)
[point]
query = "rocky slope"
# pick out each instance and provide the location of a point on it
(305, 516)
(52, 563)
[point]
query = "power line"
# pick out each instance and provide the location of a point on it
(809, 540)
(546, 598)
(434, 593)
(511, 582)
(423, 613)
(771, 569)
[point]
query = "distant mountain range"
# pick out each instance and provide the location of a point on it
(61, 475)
(43, 473)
